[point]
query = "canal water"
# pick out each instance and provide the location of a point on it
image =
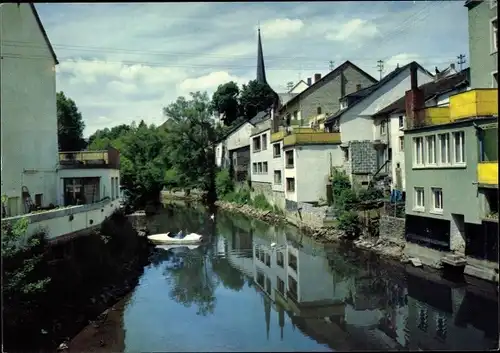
(239, 293)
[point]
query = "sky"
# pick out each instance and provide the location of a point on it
(125, 62)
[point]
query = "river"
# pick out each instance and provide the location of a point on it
(237, 293)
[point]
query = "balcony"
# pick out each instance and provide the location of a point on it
(474, 103)
(470, 104)
(277, 136)
(487, 174)
(311, 138)
(90, 159)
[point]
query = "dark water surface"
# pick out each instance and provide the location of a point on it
(236, 293)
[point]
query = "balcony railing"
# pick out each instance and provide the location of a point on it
(487, 173)
(311, 138)
(90, 159)
(277, 136)
(474, 103)
(470, 104)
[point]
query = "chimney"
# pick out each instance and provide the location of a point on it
(452, 66)
(308, 81)
(317, 77)
(414, 101)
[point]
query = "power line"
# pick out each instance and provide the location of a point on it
(332, 65)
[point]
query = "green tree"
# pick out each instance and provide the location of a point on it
(70, 125)
(225, 101)
(191, 136)
(256, 97)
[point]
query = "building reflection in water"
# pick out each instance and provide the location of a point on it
(350, 302)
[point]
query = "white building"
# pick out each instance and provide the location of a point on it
(29, 151)
(435, 93)
(365, 144)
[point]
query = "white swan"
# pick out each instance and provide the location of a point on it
(212, 217)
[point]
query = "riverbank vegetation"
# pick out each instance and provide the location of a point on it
(51, 292)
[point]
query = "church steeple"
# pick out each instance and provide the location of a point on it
(261, 70)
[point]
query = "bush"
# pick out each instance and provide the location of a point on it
(346, 200)
(348, 221)
(370, 194)
(261, 203)
(340, 182)
(223, 183)
(241, 197)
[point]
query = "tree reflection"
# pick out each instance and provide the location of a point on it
(191, 278)
(230, 277)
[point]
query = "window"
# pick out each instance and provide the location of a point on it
(493, 31)
(437, 199)
(382, 127)
(280, 259)
(431, 149)
(441, 327)
(254, 168)
(38, 200)
(401, 122)
(346, 153)
(277, 177)
(358, 87)
(264, 142)
(401, 143)
(289, 159)
(264, 167)
(259, 167)
(459, 142)
(276, 150)
(292, 288)
(292, 261)
(418, 143)
(318, 110)
(419, 199)
(494, 81)
(256, 144)
(290, 184)
(423, 320)
(444, 148)
(281, 286)
(295, 115)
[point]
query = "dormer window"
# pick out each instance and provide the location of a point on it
(318, 110)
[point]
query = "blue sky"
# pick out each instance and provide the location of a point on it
(124, 62)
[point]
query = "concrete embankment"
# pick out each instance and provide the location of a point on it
(382, 246)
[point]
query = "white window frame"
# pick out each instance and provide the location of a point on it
(463, 160)
(415, 151)
(493, 4)
(428, 161)
(493, 79)
(383, 128)
(401, 143)
(278, 172)
(437, 193)
(416, 205)
(447, 149)
(401, 122)
(493, 43)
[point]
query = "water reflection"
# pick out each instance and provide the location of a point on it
(238, 294)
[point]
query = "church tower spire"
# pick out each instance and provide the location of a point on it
(261, 70)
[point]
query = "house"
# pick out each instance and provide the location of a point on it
(88, 176)
(451, 172)
(28, 109)
(365, 145)
(393, 118)
(69, 187)
(483, 43)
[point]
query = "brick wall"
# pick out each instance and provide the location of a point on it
(392, 229)
(363, 157)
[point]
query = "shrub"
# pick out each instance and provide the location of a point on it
(241, 197)
(261, 203)
(348, 221)
(370, 194)
(346, 200)
(340, 182)
(223, 183)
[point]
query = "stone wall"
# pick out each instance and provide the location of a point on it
(275, 198)
(392, 229)
(307, 214)
(363, 157)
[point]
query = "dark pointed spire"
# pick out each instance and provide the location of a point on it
(261, 70)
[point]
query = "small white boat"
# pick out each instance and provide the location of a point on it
(168, 238)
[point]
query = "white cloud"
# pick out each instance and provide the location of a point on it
(208, 82)
(281, 28)
(353, 30)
